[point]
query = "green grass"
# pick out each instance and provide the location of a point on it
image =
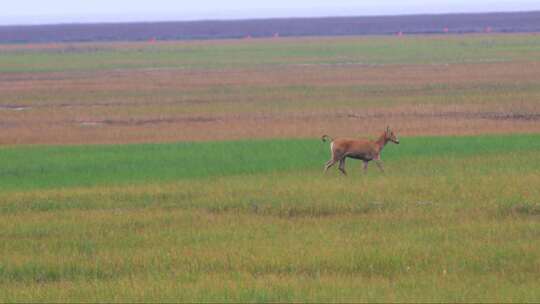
(29, 168)
(452, 219)
(234, 54)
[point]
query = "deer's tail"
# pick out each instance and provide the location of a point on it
(325, 137)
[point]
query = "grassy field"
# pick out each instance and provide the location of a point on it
(263, 52)
(192, 171)
(451, 219)
(44, 167)
(171, 91)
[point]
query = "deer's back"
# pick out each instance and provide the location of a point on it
(355, 148)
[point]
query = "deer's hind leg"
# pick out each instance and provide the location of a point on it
(329, 164)
(336, 156)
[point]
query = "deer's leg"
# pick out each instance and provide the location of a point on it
(365, 165)
(336, 155)
(329, 164)
(379, 164)
(342, 166)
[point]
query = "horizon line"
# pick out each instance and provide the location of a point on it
(233, 19)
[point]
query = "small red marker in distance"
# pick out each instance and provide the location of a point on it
(445, 30)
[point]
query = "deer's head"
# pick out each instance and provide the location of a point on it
(390, 136)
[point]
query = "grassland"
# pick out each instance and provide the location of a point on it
(45, 167)
(192, 171)
(452, 219)
(232, 54)
(268, 88)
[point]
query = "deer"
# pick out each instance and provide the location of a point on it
(362, 149)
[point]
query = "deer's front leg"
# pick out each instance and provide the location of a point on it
(379, 164)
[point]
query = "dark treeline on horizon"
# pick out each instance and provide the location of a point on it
(328, 26)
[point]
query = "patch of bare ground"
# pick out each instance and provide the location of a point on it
(290, 75)
(435, 120)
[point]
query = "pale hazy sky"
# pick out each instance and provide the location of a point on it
(76, 11)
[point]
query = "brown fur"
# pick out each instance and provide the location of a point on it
(363, 149)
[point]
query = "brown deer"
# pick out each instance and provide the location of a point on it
(362, 149)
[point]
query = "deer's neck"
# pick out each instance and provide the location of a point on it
(381, 142)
